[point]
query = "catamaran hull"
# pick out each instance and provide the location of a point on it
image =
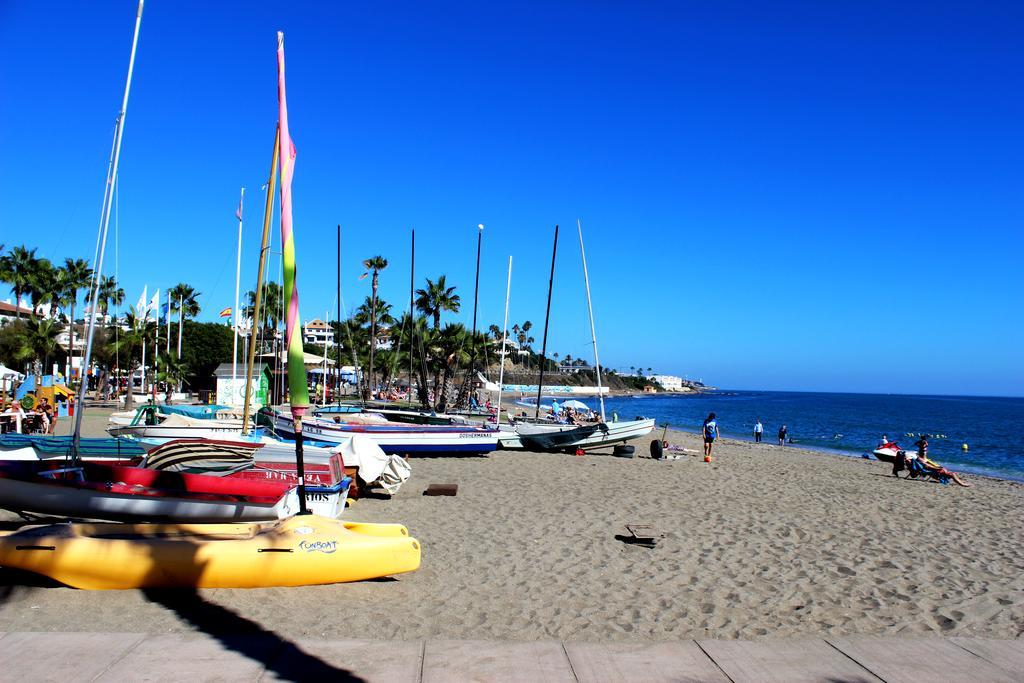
(559, 437)
(174, 431)
(397, 440)
(45, 498)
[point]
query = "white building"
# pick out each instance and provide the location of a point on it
(669, 382)
(318, 332)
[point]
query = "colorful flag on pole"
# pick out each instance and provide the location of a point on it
(297, 387)
(226, 313)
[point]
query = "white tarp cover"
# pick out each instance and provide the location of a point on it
(389, 471)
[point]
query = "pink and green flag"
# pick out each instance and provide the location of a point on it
(297, 387)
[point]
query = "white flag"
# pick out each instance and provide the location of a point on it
(140, 308)
(154, 303)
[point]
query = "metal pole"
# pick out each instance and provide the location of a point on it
(105, 220)
(337, 338)
(504, 340)
(412, 312)
(268, 210)
(547, 317)
(476, 297)
(590, 308)
(238, 276)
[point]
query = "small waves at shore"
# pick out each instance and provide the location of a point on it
(851, 424)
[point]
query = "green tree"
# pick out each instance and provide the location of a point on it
(185, 298)
(45, 286)
(375, 264)
(450, 346)
(436, 298)
(40, 340)
(109, 294)
(270, 316)
(77, 275)
(174, 370)
(16, 268)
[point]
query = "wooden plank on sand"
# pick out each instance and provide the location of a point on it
(1006, 654)
(680, 662)
(62, 656)
(784, 661)
(899, 660)
(481, 660)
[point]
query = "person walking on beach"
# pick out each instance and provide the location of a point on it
(758, 430)
(783, 431)
(710, 434)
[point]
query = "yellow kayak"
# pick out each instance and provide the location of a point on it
(298, 551)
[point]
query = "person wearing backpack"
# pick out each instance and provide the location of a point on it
(710, 431)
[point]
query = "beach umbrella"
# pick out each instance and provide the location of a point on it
(575, 405)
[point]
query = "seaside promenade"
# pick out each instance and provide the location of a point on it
(83, 657)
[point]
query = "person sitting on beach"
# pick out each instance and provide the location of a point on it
(934, 467)
(710, 431)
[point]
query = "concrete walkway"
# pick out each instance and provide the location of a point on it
(31, 657)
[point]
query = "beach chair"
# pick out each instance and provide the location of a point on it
(918, 469)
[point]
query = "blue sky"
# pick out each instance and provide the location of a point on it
(815, 196)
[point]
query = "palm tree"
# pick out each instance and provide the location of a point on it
(40, 340)
(436, 298)
(186, 298)
(174, 370)
(15, 269)
(495, 331)
(77, 275)
(451, 353)
(270, 303)
(374, 264)
(44, 285)
(109, 294)
(129, 344)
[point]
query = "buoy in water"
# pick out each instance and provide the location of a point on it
(964, 447)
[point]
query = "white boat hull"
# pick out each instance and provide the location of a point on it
(559, 437)
(396, 439)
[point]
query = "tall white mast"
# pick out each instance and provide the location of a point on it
(590, 308)
(168, 349)
(105, 221)
(238, 275)
(504, 340)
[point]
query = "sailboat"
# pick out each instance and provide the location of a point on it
(300, 550)
(548, 436)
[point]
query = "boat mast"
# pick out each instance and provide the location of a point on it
(105, 222)
(412, 312)
(337, 340)
(238, 276)
(268, 210)
(504, 340)
(467, 382)
(547, 317)
(590, 309)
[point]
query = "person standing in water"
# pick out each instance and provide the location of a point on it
(710, 432)
(758, 430)
(783, 431)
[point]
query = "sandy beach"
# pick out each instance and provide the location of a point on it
(763, 542)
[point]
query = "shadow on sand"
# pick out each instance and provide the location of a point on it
(246, 637)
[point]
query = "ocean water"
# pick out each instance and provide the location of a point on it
(852, 424)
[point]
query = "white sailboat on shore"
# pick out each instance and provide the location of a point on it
(548, 436)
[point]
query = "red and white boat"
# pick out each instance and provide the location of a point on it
(97, 490)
